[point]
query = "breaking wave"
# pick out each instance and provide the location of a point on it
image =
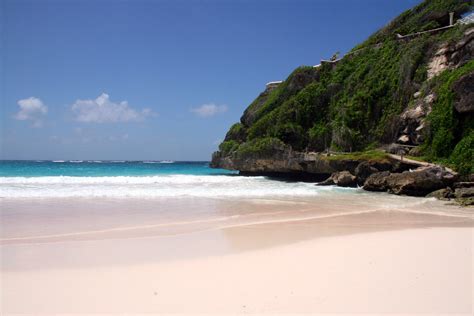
(154, 186)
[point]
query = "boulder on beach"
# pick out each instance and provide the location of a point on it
(342, 179)
(418, 182)
(442, 194)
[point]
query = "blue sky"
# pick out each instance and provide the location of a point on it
(142, 79)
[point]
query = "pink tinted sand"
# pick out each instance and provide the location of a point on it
(373, 263)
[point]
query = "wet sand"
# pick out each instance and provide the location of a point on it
(405, 261)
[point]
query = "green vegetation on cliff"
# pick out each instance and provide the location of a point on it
(452, 136)
(356, 103)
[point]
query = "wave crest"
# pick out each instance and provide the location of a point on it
(152, 186)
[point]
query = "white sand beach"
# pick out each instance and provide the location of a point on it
(385, 261)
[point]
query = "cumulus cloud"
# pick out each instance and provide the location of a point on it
(208, 110)
(102, 110)
(31, 109)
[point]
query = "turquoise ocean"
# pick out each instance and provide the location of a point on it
(140, 179)
(59, 200)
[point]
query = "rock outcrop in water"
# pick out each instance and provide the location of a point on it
(407, 95)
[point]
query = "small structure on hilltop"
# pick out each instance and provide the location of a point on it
(466, 19)
(451, 18)
(335, 56)
(334, 59)
(273, 84)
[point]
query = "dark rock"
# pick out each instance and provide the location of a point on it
(464, 93)
(377, 181)
(464, 192)
(420, 182)
(442, 194)
(344, 165)
(364, 170)
(463, 185)
(463, 51)
(342, 179)
(281, 159)
(345, 179)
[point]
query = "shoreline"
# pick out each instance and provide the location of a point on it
(374, 170)
(32, 220)
(375, 252)
(372, 262)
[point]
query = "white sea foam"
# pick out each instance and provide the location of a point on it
(167, 161)
(76, 161)
(154, 186)
(58, 160)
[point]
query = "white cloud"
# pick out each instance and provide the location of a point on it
(208, 110)
(102, 110)
(31, 109)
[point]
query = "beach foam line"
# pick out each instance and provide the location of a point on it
(178, 178)
(210, 186)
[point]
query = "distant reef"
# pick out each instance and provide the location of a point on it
(394, 114)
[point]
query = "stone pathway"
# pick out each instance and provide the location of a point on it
(416, 162)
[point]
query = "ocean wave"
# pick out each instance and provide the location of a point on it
(58, 161)
(153, 186)
(76, 161)
(177, 178)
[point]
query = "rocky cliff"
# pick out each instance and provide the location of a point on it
(410, 95)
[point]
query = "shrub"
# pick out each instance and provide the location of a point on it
(262, 147)
(445, 124)
(463, 155)
(319, 136)
(237, 132)
(228, 147)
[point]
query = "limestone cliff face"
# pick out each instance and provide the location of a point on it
(450, 55)
(464, 94)
(318, 166)
(286, 161)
